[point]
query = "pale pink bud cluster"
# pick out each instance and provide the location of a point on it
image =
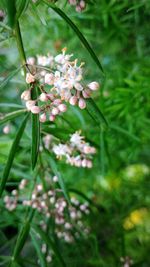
(60, 80)
(50, 203)
(6, 129)
(80, 5)
(76, 151)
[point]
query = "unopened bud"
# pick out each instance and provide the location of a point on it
(94, 86)
(35, 110)
(82, 103)
(26, 95)
(43, 117)
(62, 107)
(73, 100)
(43, 97)
(30, 78)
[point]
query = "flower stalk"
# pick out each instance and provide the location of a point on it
(20, 46)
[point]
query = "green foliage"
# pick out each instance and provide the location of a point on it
(113, 34)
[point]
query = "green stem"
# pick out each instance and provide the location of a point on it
(20, 46)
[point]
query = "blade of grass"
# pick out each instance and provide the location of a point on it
(125, 132)
(38, 249)
(95, 112)
(12, 154)
(49, 243)
(35, 134)
(11, 116)
(9, 77)
(77, 31)
(22, 237)
(55, 170)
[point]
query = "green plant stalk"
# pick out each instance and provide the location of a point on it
(20, 46)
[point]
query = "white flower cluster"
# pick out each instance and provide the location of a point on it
(51, 204)
(76, 152)
(59, 80)
(80, 5)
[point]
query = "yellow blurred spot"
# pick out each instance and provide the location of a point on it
(136, 217)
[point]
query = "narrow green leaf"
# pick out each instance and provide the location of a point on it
(12, 154)
(35, 134)
(21, 6)
(95, 112)
(60, 179)
(11, 115)
(77, 31)
(125, 132)
(9, 77)
(22, 237)
(11, 12)
(10, 105)
(40, 255)
(50, 243)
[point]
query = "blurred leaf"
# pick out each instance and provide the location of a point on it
(35, 134)
(125, 132)
(21, 6)
(46, 238)
(9, 77)
(95, 112)
(12, 154)
(77, 31)
(37, 246)
(11, 11)
(11, 116)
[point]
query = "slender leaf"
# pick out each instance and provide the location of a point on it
(10, 105)
(35, 134)
(60, 179)
(21, 6)
(9, 77)
(12, 154)
(95, 112)
(11, 12)
(41, 256)
(125, 132)
(22, 237)
(77, 31)
(11, 116)
(50, 243)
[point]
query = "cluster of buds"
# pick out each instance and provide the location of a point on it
(76, 152)
(59, 80)
(12, 200)
(51, 204)
(80, 5)
(127, 261)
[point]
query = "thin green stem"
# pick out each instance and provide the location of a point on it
(20, 46)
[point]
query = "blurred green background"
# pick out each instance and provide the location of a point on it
(118, 32)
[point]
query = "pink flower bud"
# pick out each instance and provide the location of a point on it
(51, 117)
(43, 117)
(82, 103)
(50, 96)
(35, 109)
(73, 2)
(6, 129)
(30, 78)
(30, 104)
(86, 93)
(78, 8)
(43, 97)
(26, 95)
(57, 102)
(73, 100)
(94, 86)
(31, 60)
(55, 111)
(84, 163)
(49, 78)
(89, 163)
(82, 4)
(62, 107)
